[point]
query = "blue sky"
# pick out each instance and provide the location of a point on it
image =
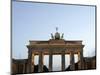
(36, 21)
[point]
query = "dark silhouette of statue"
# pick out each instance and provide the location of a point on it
(52, 36)
(57, 36)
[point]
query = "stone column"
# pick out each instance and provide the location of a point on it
(72, 64)
(63, 60)
(79, 63)
(40, 66)
(30, 62)
(50, 61)
(32, 66)
(80, 58)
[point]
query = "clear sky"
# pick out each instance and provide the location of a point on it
(36, 21)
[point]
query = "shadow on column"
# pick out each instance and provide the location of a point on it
(45, 69)
(76, 67)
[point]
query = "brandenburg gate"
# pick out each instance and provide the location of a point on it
(55, 46)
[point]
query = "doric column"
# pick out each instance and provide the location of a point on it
(50, 61)
(72, 64)
(30, 62)
(32, 66)
(81, 58)
(79, 63)
(63, 60)
(40, 66)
